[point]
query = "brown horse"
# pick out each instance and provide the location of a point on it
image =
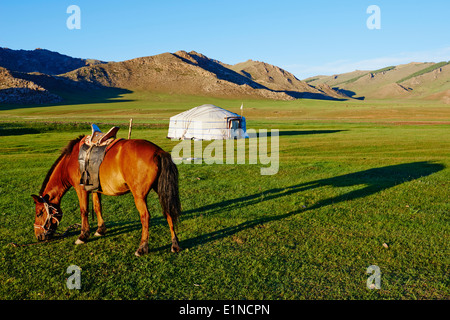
(130, 165)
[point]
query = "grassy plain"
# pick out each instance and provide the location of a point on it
(360, 183)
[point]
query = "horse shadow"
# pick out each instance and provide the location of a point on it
(374, 181)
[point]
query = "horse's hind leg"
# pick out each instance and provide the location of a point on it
(101, 230)
(141, 205)
(175, 246)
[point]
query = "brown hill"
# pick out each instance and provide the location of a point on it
(278, 79)
(433, 85)
(271, 76)
(15, 90)
(443, 96)
(414, 80)
(180, 72)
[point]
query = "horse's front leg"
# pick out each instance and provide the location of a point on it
(84, 205)
(101, 228)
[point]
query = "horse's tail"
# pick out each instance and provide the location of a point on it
(168, 187)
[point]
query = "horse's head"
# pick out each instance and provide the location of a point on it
(48, 216)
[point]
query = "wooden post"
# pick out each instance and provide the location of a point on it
(129, 129)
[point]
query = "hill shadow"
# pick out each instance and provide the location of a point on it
(292, 133)
(306, 132)
(295, 132)
(312, 95)
(375, 180)
(12, 129)
(349, 93)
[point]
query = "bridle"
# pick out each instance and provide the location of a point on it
(52, 215)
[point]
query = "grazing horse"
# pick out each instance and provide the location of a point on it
(130, 165)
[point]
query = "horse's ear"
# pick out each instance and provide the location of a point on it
(36, 198)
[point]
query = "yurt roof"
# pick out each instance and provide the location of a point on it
(205, 112)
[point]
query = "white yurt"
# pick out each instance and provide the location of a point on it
(207, 122)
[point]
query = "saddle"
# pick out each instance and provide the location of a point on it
(92, 151)
(98, 138)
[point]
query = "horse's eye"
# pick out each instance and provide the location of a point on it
(40, 213)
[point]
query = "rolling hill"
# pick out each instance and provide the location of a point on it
(278, 79)
(414, 80)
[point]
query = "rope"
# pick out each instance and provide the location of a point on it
(58, 237)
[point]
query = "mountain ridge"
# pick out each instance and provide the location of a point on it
(41, 76)
(41, 60)
(179, 72)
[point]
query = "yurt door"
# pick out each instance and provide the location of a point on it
(235, 124)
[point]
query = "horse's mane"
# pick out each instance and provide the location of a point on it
(66, 151)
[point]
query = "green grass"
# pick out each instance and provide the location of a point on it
(346, 185)
(311, 80)
(383, 69)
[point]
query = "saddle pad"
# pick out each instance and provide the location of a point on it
(89, 159)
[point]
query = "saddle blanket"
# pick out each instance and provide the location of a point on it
(90, 159)
(91, 156)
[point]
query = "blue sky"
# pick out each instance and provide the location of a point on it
(304, 37)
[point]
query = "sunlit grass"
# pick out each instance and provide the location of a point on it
(344, 189)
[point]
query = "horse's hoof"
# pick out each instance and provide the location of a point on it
(143, 249)
(175, 249)
(139, 253)
(101, 231)
(79, 242)
(83, 237)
